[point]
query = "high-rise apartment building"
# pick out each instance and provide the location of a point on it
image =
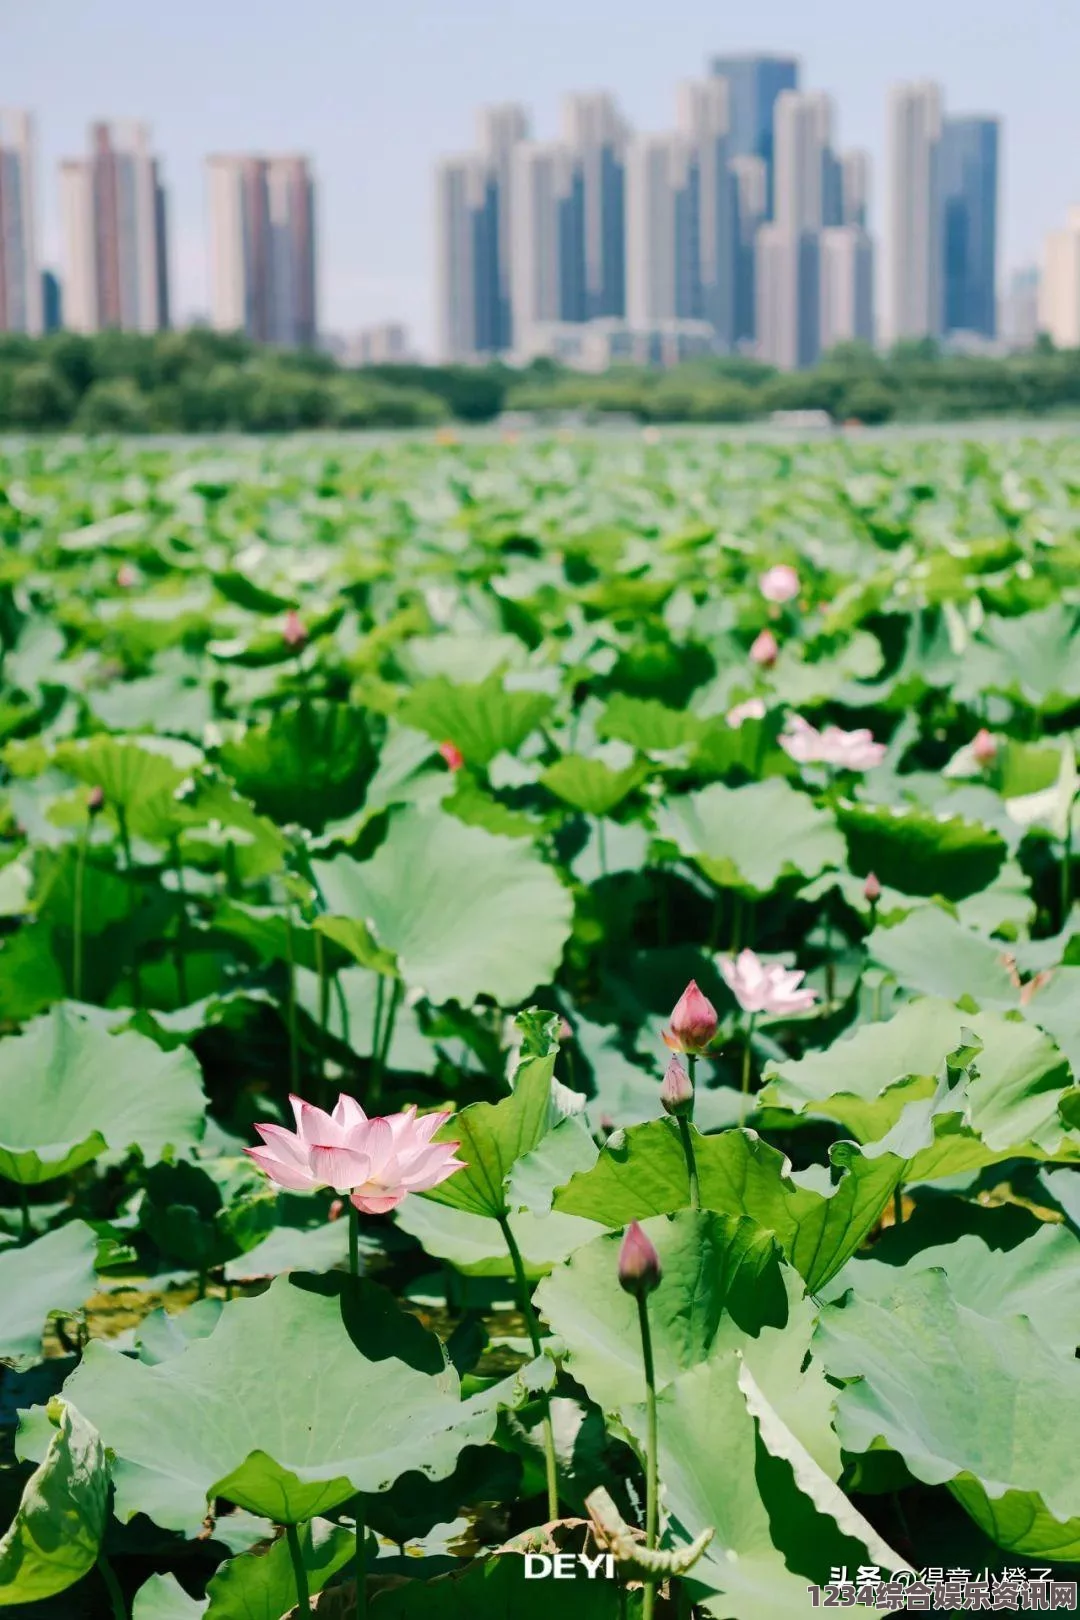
(754, 85)
(474, 235)
(806, 196)
(847, 286)
(115, 232)
(658, 216)
(595, 134)
(710, 224)
(20, 282)
(913, 249)
(262, 248)
(1020, 309)
(1059, 293)
(855, 188)
(547, 248)
(750, 177)
(969, 200)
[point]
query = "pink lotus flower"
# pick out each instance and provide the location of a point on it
(765, 650)
(453, 756)
(126, 577)
(779, 584)
(752, 709)
(845, 750)
(984, 747)
(293, 632)
(693, 1022)
(375, 1161)
(677, 1091)
(95, 800)
(761, 987)
(872, 889)
(639, 1263)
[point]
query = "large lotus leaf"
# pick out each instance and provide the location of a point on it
(57, 1529)
(262, 1585)
(473, 1244)
(480, 720)
(919, 852)
(1031, 656)
(1051, 807)
(55, 1273)
(998, 1421)
(139, 777)
(1055, 1007)
(467, 913)
(293, 1417)
(309, 764)
(69, 1090)
(163, 1598)
(748, 838)
(647, 725)
(162, 702)
(933, 955)
(642, 1171)
(592, 785)
(1036, 1279)
(721, 1280)
(494, 1136)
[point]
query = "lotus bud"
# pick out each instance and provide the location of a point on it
(293, 632)
(95, 800)
(566, 1032)
(677, 1091)
(693, 1023)
(765, 651)
(984, 747)
(453, 756)
(871, 889)
(126, 577)
(639, 1263)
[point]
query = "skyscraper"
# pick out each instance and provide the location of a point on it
(500, 129)
(262, 248)
(114, 221)
(855, 188)
(789, 248)
(847, 286)
(754, 83)
(474, 235)
(596, 135)
(913, 253)
(547, 248)
(711, 226)
(969, 198)
(658, 245)
(1020, 309)
(1059, 294)
(750, 177)
(20, 283)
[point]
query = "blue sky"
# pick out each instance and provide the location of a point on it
(375, 90)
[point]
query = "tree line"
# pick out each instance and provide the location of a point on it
(198, 381)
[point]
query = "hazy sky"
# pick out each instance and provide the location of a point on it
(375, 90)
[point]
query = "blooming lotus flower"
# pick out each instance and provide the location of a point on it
(693, 1022)
(779, 584)
(639, 1263)
(752, 709)
(845, 750)
(453, 756)
(984, 747)
(765, 650)
(761, 987)
(677, 1091)
(293, 632)
(375, 1161)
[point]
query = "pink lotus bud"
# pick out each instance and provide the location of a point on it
(693, 1023)
(984, 747)
(766, 650)
(871, 889)
(293, 632)
(779, 584)
(607, 1124)
(566, 1032)
(453, 756)
(95, 800)
(337, 1209)
(677, 1091)
(126, 577)
(639, 1263)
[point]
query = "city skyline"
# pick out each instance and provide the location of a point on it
(373, 114)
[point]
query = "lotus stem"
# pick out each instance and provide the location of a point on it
(898, 1206)
(376, 1033)
(290, 956)
(354, 1240)
(691, 1163)
(361, 1558)
(181, 934)
(129, 873)
(303, 1596)
(747, 1054)
(77, 941)
(324, 1011)
(601, 846)
(27, 1231)
(526, 1307)
(388, 1027)
(830, 965)
(652, 1483)
(112, 1586)
(1066, 871)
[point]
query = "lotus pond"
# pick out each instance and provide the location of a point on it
(540, 999)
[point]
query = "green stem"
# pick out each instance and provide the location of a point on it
(376, 1033)
(526, 1307)
(652, 1490)
(747, 1053)
(129, 873)
(77, 942)
(27, 1231)
(601, 846)
(361, 1558)
(324, 1010)
(303, 1596)
(830, 966)
(898, 1206)
(388, 1030)
(354, 1240)
(181, 933)
(1066, 871)
(691, 1163)
(736, 921)
(112, 1585)
(294, 1049)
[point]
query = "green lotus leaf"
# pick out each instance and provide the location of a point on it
(262, 1585)
(55, 1273)
(919, 852)
(933, 955)
(466, 913)
(481, 720)
(310, 764)
(163, 1598)
(749, 838)
(56, 1533)
(69, 1090)
(591, 785)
